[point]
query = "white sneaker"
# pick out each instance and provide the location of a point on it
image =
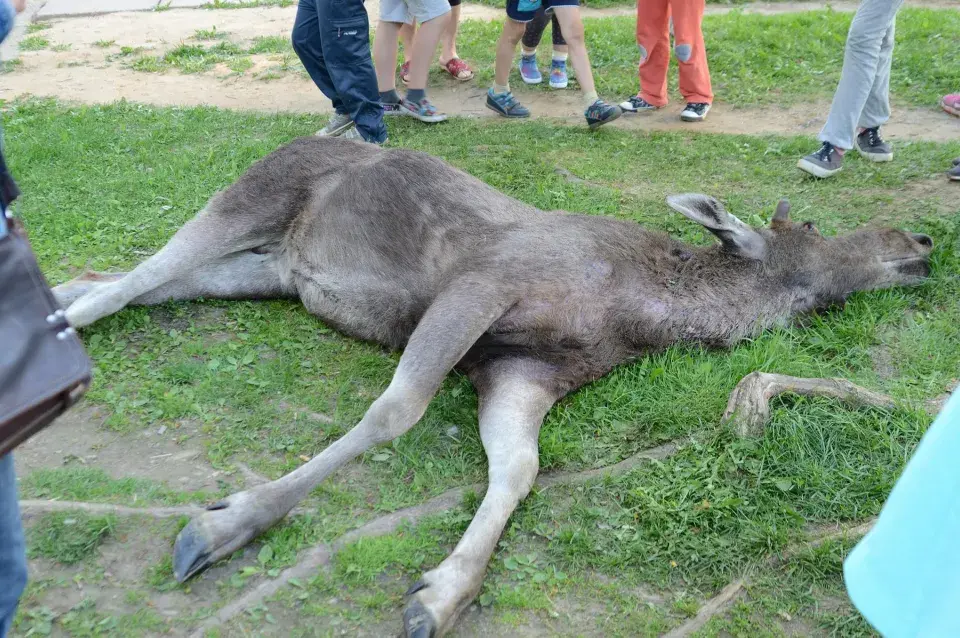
(695, 112)
(339, 122)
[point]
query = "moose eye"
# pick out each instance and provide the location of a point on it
(809, 227)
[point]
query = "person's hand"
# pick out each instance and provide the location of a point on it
(19, 5)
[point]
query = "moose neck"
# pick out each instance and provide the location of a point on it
(714, 298)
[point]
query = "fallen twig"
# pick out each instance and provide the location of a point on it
(321, 555)
(711, 608)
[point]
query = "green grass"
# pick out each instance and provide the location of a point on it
(34, 43)
(209, 34)
(93, 484)
(69, 537)
(104, 186)
(35, 27)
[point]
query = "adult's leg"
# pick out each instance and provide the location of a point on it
(306, 41)
(13, 550)
(876, 111)
(345, 33)
(861, 64)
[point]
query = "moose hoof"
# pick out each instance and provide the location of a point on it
(224, 528)
(418, 622)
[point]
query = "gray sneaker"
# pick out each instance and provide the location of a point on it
(339, 122)
(872, 147)
(353, 134)
(824, 163)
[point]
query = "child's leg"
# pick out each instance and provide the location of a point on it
(654, 41)
(448, 40)
(534, 32)
(689, 49)
(425, 46)
(385, 54)
(407, 34)
(559, 44)
(506, 48)
(572, 28)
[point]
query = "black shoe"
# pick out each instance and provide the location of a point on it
(636, 104)
(600, 113)
(871, 146)
(695, 112)
(824, 163)
(954, 173)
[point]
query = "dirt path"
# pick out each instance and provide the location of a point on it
(41, 76)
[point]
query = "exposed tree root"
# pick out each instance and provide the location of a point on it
(749, 405)
(713, 607)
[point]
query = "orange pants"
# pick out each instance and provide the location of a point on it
(653, 37)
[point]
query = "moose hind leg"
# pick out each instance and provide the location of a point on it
(511, 412)
(202, 240)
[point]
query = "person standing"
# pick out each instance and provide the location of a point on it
(433, 17)
(332, 40)
(653, 39)
(529, 70)
(500, 98)
(449, 58)
(861, 104)
(13, 549)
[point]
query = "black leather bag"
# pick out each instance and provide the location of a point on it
(43, 366)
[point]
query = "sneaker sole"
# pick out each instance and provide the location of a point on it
(595, 125)
(817, 171)
(626, 108)
(428, 119)
(502, 114)
(954, 178)
(336, 132)
(531, 81)
(559, 85)
(949, 109)
(874, 157)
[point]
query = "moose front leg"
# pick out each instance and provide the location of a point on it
(447, 330)
(512, 408)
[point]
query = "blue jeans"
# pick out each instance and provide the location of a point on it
(13, 549)
(332, 40)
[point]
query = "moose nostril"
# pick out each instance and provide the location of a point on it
(922, 239)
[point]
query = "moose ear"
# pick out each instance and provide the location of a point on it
(736, 237)
(782, 215)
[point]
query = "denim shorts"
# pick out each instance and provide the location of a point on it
(524, 10)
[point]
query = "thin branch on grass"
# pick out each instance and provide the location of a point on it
(321, 555)
(713, 607)
(749, 405)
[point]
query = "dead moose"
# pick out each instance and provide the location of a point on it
(400, 248)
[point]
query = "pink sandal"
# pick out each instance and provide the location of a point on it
(405, 73)
(459, 69)
(951, 104)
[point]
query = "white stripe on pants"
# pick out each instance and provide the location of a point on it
(863, 95)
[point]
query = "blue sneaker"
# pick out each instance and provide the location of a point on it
(506, 105)
(558, 74)
(528, 69)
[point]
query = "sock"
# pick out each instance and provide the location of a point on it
(497, 89)
(590, 98)
(528, 53)
(390, 97)
(415, 95)
(559, 57)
